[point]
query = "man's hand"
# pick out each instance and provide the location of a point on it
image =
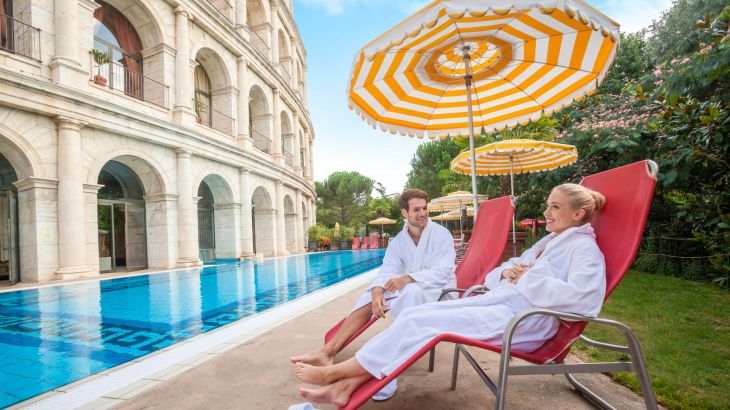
(378, 304)
(398, 283)
(514, 273)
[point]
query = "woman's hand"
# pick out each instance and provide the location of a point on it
(514, 273)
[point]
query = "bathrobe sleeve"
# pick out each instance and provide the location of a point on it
(439, 260)
(581, 291)
(393, 263)
(491, 281)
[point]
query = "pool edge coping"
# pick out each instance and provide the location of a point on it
(113, 386)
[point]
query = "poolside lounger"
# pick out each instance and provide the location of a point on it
(619, 227)
(488, 241)
(355, 243)
(374, 242)
(365, 243)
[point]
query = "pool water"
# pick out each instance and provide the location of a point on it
(52, 336)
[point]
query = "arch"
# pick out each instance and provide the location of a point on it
(20, 154)
(263, 216)
(145, 166)
(143, 18)
(214, 64)
(287, 140)
(219, 185)
(257, 13)
(122, 220)
(258, 120)
(290, 220)
(284, 52)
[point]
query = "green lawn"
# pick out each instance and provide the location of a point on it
(684, 329)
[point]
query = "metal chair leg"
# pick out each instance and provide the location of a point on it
(455, 368)
(431, 358)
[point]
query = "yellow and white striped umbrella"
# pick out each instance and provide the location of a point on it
(526, 58)
(516, 157)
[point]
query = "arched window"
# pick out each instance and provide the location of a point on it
(203, 95)
(115, 35)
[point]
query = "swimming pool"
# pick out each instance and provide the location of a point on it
(52, 336)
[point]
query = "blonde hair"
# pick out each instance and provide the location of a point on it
(580, 197)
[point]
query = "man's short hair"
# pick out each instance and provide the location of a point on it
(409, 194)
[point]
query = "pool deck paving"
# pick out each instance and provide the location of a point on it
(257, 374)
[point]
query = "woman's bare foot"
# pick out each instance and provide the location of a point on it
(312, 374)
(336, 393)
(315, 358)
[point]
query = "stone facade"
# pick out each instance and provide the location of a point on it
(59, 129)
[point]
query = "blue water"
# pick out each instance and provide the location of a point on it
(53, 336)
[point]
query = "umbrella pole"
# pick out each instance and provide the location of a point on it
(512, 189)
(467, 81)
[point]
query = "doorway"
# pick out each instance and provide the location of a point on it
(9, 225)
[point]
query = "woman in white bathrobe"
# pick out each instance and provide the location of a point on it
(563, 271)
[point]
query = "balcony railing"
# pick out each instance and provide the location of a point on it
(20, 38)
(120, 78)
(260, 141)
(213, 118)
(281, 68)
(224, 7)
(259, 43)
(288, 158)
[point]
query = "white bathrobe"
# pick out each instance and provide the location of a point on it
(568, 274)
(430, 264)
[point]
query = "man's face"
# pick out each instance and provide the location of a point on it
(417, 213)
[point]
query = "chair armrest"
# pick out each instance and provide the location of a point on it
(476, 289)
(512, 326)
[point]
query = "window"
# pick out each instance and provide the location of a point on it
(203, 96)
(6, 24)
(115, 35)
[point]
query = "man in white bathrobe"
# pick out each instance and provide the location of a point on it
(418, 265)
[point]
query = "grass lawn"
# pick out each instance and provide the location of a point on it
(684, 330)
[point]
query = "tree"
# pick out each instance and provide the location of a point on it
(430, 158)
(342, 197)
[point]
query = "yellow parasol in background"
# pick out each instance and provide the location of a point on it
(382, 221)
(460, 64)
(515, 157)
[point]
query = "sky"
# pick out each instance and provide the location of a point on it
(333, 31)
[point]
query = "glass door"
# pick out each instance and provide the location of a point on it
(112, 236)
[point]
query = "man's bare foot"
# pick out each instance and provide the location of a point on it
(312, 374)
(315, 358)
(336, 394)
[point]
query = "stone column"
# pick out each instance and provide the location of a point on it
(299, 222)
(183, 112)
(71, 238)
(313, 211)
(310, 177)
(65, 63)
(280, 220)
(276, 127)
(297, 146)
(187, 235)
(162, 241)
(274, 33)
(245, 139)
(246, 226)
(38, 226)
(241, 17)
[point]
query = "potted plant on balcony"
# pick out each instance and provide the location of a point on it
(101, 58)
(199, 106)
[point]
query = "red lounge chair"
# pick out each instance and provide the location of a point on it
(619, 227)
(355, 243)
(374, 242)
(365, 243)
(487, 244)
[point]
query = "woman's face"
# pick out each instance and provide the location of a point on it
(559, 215)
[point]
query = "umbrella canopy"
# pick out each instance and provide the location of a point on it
(516, 157)
(382, 221)
(446, 216)
(460, 64)
(456, 199)
(434, 207)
